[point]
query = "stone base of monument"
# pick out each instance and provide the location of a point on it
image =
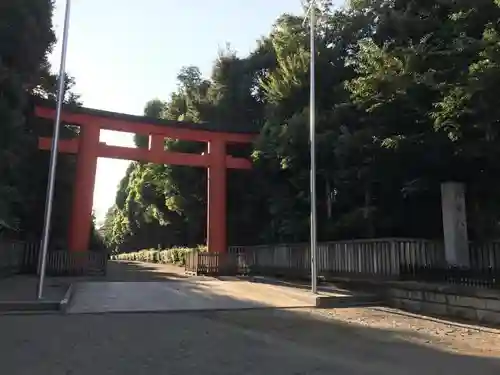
(338, 301)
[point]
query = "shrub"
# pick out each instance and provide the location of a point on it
(175, 255)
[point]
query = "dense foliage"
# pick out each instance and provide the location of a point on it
(405, 101)
(26, 38)
(176, 255)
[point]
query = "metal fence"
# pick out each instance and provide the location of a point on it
(474, 277)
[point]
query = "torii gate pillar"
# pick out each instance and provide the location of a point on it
(216, 197)
(83, 191)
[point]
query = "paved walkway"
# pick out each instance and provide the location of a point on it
(157, 287)
(96, 297)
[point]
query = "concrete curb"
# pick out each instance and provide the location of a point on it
(331, 302)
(64, 304)
(28, 306)
(192, 311)
(36, 306)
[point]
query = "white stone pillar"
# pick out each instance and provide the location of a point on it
(455, 223)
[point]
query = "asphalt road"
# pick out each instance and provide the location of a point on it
(237, 342)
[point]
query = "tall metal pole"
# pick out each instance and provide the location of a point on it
(53, 156)
(312, 134)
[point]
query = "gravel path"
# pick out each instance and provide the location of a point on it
(347, 341)
(459, 338)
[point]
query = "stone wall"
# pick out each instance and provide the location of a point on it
(472, 304)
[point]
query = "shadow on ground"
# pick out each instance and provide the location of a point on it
(24, 287)
(238, 342)
(159, 289)
(135, 271)
(270, 341)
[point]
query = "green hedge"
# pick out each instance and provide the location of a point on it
(176, 255)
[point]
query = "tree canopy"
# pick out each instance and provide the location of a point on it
(26, 39)
(406, 100)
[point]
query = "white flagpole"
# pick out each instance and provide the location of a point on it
(53, 156)
(312, 134)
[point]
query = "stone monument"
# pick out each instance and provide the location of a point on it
(455, 223)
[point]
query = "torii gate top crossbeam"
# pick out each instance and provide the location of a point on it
(183, 130)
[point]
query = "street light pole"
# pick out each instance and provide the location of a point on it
(312, 134)
(53, 156)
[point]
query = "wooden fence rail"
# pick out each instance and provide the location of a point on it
(212, 264)
(64, 263)
(21, 257)
(11, 257)
(485, 255)
(380, 258)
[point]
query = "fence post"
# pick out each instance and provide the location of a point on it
(394, 258)
(39, 258)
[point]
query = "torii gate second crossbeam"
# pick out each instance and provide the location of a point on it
(88, 148)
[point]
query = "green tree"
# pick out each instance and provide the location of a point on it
(26, 37)
(405, 101)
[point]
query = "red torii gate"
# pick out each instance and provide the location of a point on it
(88, 148)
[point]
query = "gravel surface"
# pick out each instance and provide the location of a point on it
(453, 337)
(347, 341)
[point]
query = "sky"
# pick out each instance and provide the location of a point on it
(124, 53)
